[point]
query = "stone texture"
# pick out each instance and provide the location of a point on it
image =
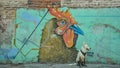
(53, 48)
(90, 3)
(69, 3)
(6, 27)
(43, 3)
(13, 3)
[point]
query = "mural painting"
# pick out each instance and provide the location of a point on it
(54, 35)
(63, 25)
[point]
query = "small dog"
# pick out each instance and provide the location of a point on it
(80, 60)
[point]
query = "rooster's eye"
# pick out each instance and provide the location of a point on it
(62, 23)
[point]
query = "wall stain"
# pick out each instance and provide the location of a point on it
(108, 60)
(108, 25)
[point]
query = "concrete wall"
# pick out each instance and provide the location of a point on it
(17, 21)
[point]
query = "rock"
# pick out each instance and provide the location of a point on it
(53, 48)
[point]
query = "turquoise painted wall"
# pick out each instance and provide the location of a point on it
(101, 27)
(27, 20)
(102, 33)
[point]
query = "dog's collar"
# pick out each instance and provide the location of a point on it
(83, 52)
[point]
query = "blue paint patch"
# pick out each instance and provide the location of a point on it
(6, 53)
(2, 57)
(12, 53)
(28, 17)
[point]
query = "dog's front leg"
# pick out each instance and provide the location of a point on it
(84, 63)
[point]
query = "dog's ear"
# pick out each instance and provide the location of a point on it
(84, 43)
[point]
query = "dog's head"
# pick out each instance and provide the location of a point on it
(85, 46)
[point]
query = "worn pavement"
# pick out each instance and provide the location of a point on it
(37, 65)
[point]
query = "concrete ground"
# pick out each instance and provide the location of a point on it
(57, 66)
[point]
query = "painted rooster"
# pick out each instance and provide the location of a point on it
(66, 26)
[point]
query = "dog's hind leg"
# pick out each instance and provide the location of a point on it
(79, 63)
